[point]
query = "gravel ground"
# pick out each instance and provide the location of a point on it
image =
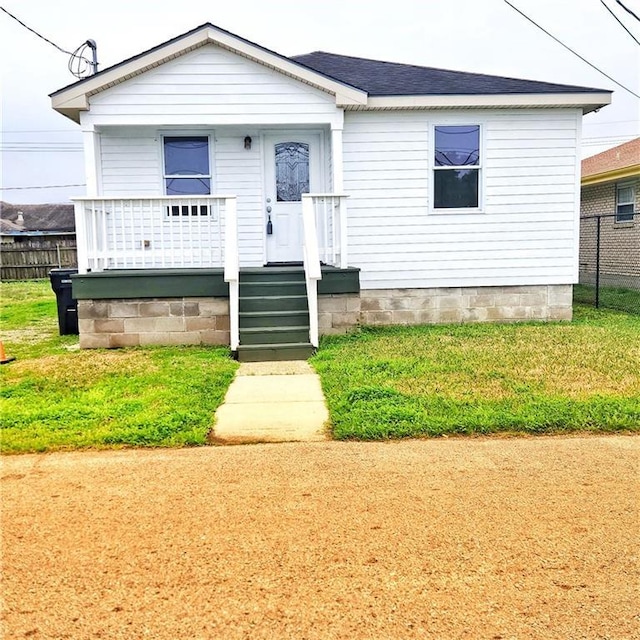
(483, 538)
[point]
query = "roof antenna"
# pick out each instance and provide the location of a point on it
(94, 54)
(80, 66)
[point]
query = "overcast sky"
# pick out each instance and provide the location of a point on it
(482, 36)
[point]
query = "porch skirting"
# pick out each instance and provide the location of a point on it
(109, 323)
(146, 321)
(340, 312)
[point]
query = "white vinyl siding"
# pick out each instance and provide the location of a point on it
(525, 233)
(131, 162)
(132, 166)
(211, 86)
(238, 172)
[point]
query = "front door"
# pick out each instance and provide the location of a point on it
(292, 167)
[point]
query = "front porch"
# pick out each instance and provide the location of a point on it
(134, 307)
(181, 250)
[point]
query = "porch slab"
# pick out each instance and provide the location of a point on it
(272, 402)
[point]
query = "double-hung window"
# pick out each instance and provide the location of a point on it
(456, 167)
(187, 171)
(625, 202)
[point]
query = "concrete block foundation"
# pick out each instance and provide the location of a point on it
(171, 321)
(161, 321)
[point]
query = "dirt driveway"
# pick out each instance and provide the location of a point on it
(492, 538)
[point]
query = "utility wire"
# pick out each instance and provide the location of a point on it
(628, 10)
(593, 66)
(53, 44)
(602, 2)
(48, 186)
(36, 33)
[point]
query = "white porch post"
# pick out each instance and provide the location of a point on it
(336, 156)
(338, 187)
(91, 143)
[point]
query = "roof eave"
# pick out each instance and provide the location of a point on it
(631, 171)
(586, 101)
(71, 100)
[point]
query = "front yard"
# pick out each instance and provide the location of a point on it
(477, 379)
(379, 383)
(55, 396)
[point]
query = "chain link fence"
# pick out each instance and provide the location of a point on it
(610, 262)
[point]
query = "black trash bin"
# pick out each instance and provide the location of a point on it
(67, 306)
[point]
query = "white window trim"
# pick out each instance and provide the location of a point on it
(187, 134)
(632, 202)
(480, 168)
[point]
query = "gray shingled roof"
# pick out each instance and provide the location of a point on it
(380, 78)
(37, 217)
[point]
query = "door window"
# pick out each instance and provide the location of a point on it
(292, 170)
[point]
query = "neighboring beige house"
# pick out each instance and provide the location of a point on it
(611, 187)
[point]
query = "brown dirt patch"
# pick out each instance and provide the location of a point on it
(496, 538)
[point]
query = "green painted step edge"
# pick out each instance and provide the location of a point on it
(274, 314)
(126, 284)
(299, 327)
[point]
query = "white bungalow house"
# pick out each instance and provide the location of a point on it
(241, 197)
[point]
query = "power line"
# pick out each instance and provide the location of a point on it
(602, 2)
(50, 149)
(612, 136)
(608, 122)
(628, 10)
(74, 55)
(4, 131)
(48, 186)
(53, 44)
(593, 66)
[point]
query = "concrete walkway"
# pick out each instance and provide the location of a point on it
(272, 402)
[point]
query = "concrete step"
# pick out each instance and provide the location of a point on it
(273, 303)
(274, 335)
(274, 352)
(272, 274)
(273, 319)
(271, 288)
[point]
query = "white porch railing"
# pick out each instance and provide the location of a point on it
(330, 213)
(232, 271)
(311, 262)
(151, 232)
(324, 220)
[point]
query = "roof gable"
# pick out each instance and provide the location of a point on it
(72, 99)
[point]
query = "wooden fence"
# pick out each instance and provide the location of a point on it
(33, 258)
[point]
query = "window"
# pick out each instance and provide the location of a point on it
(292, 171)
(625, 201)
(456, 171)
(186, 172)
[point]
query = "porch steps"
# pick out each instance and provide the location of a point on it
(274, 315)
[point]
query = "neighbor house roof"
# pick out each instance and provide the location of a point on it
(356, 83)
(36, 217)
(617, 163)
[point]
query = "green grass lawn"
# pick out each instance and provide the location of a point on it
(379, 383)
(476, 379)
(55, 396)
